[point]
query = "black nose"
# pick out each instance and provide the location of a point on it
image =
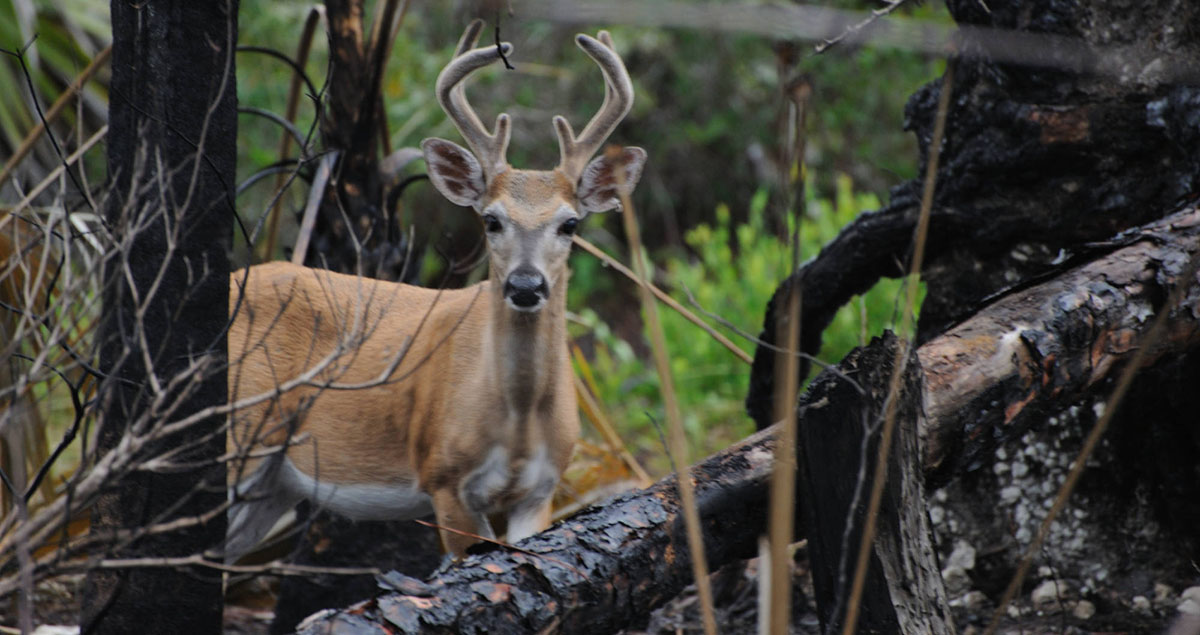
(526, 288)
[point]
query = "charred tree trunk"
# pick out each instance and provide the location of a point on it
(171, 158)
(356, 231)
(838, 443)
(1038, 162)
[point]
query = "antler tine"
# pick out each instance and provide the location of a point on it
(469, 37)
(618, 99)
(489, 147)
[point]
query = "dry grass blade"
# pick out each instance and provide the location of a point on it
(58, 171)
(1124, 381)
(666, 299)
(595, 413)
(783, 477)
(900, 364)
(676, 439)
(316, 14)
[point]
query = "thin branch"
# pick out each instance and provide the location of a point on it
(20, 56)
(889, 6)
(76, 85)
(666, 299)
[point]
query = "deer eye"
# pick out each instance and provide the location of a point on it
(491, 224)
(568, 227)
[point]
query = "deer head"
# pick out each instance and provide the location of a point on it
(529, 216)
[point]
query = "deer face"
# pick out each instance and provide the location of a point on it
(529, 216)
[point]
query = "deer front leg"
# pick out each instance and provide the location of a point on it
(453, 514)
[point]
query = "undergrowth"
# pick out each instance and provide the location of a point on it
(730, 272)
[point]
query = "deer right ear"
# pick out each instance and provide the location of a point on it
(455, 172)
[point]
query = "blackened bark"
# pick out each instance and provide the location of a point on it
(171, 157)
(1040, 349)
(838, 439)
(1037, 163)
(356, 231)
(597, 572)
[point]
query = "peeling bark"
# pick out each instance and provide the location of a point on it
(1029, 353)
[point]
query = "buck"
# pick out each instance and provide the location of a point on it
(388, 401)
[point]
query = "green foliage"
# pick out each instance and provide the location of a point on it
(65, 35)
(731, 273)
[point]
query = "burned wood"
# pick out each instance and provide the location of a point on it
(1027, 354)
(1038, 348)
(839, 439)
(1036, 164)
(600, 571)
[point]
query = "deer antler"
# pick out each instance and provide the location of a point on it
(489, 147)
(618, 99)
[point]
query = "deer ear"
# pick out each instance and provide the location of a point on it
(455, 172)
(597, 188)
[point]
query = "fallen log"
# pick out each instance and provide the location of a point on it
(1022, 357)
(1030, 352)
(596, 572)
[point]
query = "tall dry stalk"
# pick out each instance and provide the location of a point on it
(783, 478)
(900, 365)
(676, 440)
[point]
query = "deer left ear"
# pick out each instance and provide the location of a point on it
(597, 188)
(455, 172)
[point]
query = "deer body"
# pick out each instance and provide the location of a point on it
(385, 400)
(378, 452)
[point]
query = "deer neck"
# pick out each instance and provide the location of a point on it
(528, 349)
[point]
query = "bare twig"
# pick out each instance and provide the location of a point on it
(300, 79)
(889, 6)
(662, 296)
(55, 109)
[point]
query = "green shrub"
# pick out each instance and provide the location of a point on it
(732, 273)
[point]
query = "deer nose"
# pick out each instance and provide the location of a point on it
(526, 289)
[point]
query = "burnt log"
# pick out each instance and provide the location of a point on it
(839, 435)
(599, 571)
(1039, 349)
(607, 567)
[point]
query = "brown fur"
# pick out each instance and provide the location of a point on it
(451, 398)
(479, 412)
